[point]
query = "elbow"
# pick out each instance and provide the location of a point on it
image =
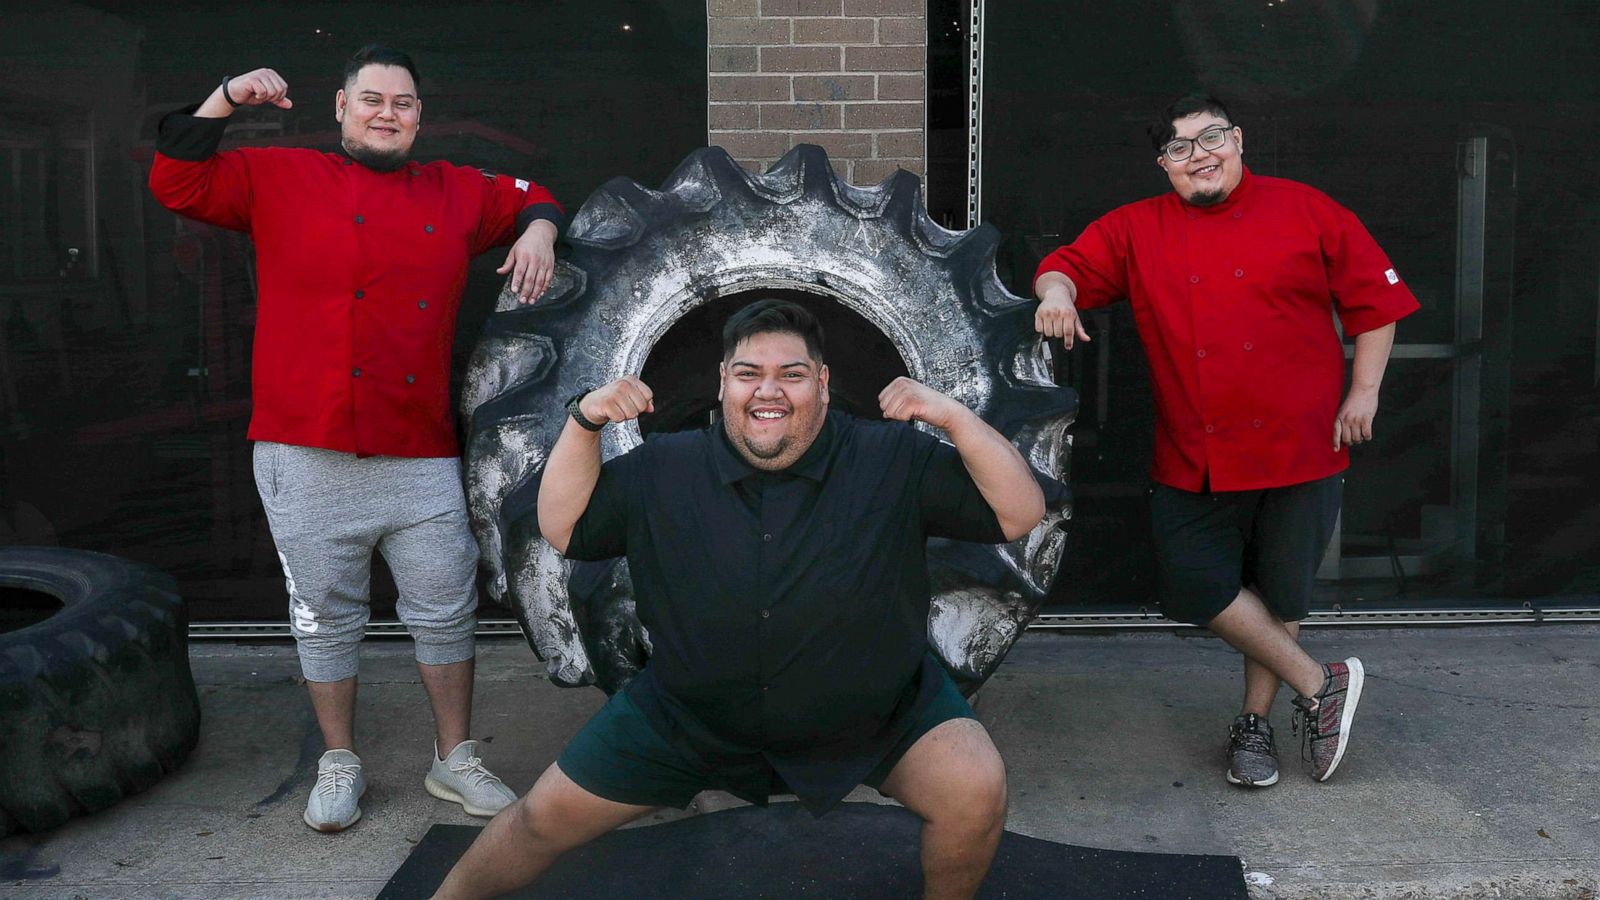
(1023, 520)
(556, 536)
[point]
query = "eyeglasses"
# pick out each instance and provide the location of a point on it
(1210, 139)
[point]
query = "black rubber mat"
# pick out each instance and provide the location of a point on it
(860, 850)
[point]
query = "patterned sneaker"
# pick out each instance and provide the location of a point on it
(461, 778)
(339, 787)
(1327, 716)
(1252, 752)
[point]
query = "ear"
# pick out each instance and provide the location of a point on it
(822, 384)
(1161, 161)
(338, 106)
(722, 379)
(1238, 139)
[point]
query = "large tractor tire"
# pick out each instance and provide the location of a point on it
(96, 701)
(644, 260)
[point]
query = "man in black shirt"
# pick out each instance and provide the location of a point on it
(778, 562)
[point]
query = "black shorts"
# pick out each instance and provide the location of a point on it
(1210, 545)
(620, 757)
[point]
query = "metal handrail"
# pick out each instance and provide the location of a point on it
(1101, 621)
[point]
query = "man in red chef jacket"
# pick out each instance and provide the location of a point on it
(1234, 279)
(361, 259)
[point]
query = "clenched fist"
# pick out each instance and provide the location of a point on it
(905, 400)
(259, 87)
(621, 400)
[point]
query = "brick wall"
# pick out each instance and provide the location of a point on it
(846, 75)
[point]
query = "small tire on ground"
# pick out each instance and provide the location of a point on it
(97, 701)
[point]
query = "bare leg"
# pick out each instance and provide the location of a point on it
(450, 693)
(1253, 630)
(1260, 685)
(954, 779)
(334, 702)
(528, 836)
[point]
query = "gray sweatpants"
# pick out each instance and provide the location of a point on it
(329, 510)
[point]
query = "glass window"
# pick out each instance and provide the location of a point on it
(125, 331)
(1465, 151)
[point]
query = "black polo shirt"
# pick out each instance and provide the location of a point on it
(787, 611)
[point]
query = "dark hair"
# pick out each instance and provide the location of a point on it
(379, 55)
(1162, 131)
(772, 316)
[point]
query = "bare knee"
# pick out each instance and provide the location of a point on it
(973, 802)
(542, 816)
(986, 798)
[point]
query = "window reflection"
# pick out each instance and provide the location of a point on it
(125, 331)
(1464, 152)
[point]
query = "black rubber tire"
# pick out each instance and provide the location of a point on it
(643, 259)
(97, 701)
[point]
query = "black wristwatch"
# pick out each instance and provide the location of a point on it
(578, 416)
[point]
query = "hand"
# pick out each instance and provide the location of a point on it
(259, 87)
(905, 400)
(621, 400)
(532, 261)
(1058, 317)
(1353, 423)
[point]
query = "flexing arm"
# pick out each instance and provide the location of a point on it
(250, 89)
(574, 466)
(189, 176)
(1353, 424)
(999, 471)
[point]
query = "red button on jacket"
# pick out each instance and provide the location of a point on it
(1310, 258)
(358, 271)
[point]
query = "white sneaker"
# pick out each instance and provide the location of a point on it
(339, 787)
(461, 778)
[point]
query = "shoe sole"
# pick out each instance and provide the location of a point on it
(331, 827)
(334, 827)
(1352, 696)
(444, 793)
(1242, 783)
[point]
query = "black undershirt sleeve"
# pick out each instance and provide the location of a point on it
(548, 211)
(183, 135)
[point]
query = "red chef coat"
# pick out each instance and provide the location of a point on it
(359, 277)
(1233, 303)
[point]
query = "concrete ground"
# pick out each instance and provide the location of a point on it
(1472, 773)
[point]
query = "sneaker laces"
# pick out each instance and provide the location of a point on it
(1255, 740)
(338, 778)
(473, 772)
(1304, 724)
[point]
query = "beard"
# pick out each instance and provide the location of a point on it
(1207, 198)
(377, 160)
(756, 451)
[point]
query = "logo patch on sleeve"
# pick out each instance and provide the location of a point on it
(522, 185)
(1393, 278)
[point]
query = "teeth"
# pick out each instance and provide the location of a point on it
(769, 415)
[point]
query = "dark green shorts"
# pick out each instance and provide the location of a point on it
(621, 757)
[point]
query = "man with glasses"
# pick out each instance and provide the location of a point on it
(1235, 279)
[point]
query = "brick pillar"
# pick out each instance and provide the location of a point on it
(847, 75)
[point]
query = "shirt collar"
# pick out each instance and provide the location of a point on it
(812, 464)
